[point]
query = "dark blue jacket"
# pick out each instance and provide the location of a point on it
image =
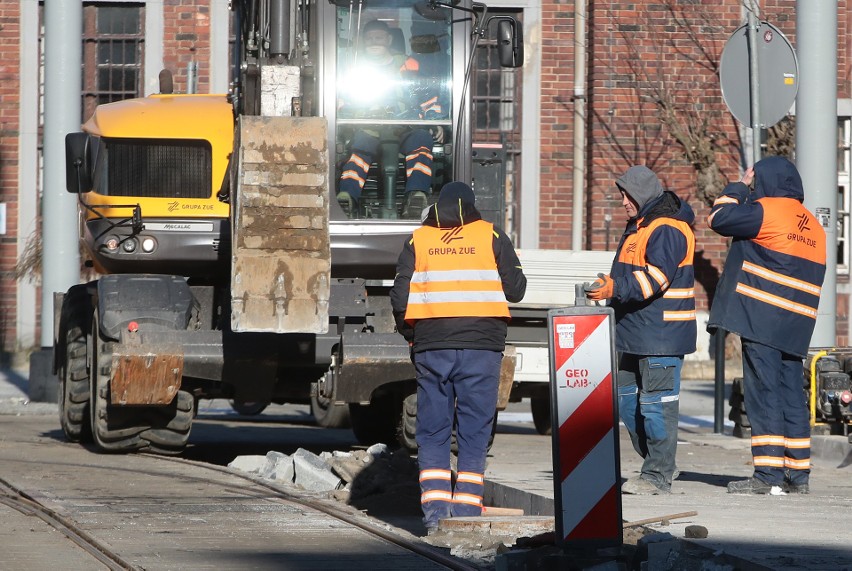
(654, 290)
(770, 286)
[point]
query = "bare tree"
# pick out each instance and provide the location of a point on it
(675, 83)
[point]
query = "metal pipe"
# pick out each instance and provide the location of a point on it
(63, 27)
(816, 141)
(192, 77)
(579, 160)
(279, 32)
(719, 381)
(754, 82)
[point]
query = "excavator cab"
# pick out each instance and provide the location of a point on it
(393, 108)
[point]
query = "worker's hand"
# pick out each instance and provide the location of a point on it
(748, 177)
(600, 289)
(438, 134)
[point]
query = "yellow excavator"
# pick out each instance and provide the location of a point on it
(228, 268)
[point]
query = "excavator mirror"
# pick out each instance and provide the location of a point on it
(510, 43)
(78, 163)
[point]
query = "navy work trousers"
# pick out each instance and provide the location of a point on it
(415, 145)
(777, 410)
(648, 404)
(460, 384)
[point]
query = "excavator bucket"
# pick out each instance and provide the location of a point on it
(281, 259)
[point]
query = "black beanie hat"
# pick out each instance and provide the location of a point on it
(455, 190)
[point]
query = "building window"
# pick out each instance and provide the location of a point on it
(113, 39)
(844, 190)
(496, 98)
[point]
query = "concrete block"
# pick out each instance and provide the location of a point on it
(524, 526)
(279, 467)
(659, 550)
(465, 525)
(253, 464)
(347, 468)
(312, 473)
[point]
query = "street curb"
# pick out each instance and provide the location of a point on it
(836, 450)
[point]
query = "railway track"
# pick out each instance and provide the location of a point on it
(152, 512)
(22, 503)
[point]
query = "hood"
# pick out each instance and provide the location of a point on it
(641, 184)
(669, 205)
(777, 177)
(455, 207)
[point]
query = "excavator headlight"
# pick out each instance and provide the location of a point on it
(129, 245)
(111, 243)
(148, 245)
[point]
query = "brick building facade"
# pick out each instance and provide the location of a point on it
(652, 97)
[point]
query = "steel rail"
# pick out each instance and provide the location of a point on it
(418, 547)
(20, 501)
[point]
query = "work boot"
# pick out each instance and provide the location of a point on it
(754, 486)
(792, 488)
(639, 486)
(415, 202)
(347, 203)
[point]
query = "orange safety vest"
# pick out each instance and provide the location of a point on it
(455, 274)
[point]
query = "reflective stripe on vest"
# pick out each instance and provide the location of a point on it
(455, 274)
(788, 228)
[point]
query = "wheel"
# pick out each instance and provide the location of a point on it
(408, 424)
(540, 406)
(160, 429)
(328, 414)
(73, 373)
(249, 408)
(377, 421)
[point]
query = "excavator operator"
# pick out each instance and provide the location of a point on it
(380, 88)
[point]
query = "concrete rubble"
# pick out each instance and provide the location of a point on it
(380, 480)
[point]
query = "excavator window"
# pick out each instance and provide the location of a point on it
(394, 108)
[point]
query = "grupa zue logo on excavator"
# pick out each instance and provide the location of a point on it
(176, 205)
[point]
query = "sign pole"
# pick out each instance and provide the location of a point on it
(754, 83)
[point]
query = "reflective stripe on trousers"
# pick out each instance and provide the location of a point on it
(778, 413)
(460, 383)
(364, 148)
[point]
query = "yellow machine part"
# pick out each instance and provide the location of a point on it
(201, 117)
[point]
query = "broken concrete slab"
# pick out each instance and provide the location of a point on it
(251, 464)
(312, 473)
(279, 467)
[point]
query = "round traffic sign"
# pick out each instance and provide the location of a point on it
(778, 74)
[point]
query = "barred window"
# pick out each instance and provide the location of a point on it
(113, 38)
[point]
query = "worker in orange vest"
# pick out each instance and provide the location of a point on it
(455, 278)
